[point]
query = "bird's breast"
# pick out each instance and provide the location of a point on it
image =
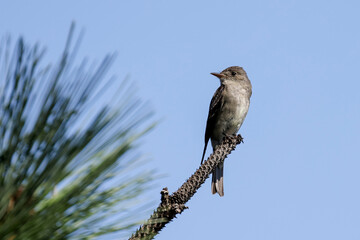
(235, 107)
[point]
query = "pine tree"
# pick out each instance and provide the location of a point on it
(67, 159)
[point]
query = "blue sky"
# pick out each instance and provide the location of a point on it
(297, 175)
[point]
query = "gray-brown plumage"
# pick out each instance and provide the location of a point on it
(228, 109)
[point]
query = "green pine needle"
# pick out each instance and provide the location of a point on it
(66, 155)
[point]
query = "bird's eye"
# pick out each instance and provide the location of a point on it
(233, 73)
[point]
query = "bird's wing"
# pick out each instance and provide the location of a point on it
(214, 109)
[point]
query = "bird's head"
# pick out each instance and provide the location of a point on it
(234, 73)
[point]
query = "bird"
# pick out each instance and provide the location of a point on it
(228, 109)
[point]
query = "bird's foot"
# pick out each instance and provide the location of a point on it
(240, 138)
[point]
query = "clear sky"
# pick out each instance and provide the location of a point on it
(297, 175)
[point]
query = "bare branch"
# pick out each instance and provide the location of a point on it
(174, 204)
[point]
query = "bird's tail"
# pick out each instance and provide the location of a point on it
(217, 184)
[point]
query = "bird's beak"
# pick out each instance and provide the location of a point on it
(220, 76)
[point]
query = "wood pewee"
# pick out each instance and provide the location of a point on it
(228, 109)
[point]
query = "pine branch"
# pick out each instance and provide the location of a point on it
(174, 204)
(68, 135)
